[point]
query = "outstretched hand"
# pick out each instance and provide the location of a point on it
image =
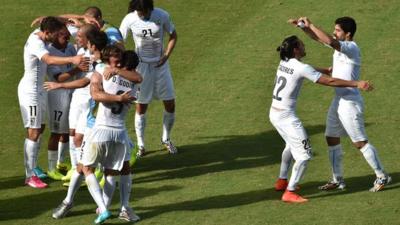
(365, 85)
(48, 86)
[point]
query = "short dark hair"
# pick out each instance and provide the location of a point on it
(140, 5)
(111, 51)
(94, 11)
(51, 24)
(347, 24)
(286, 49)
(130, 60)
(98, 39)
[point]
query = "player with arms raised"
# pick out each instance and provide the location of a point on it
(289, 78)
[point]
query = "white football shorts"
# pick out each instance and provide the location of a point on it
(106, 146)
(346, 117)
(58, 102)
(293, 133)
(79, 105)
(33, 107)
(157, 83)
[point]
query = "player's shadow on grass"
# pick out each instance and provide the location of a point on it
(213, 202)
(11, 182)
(309, 190)
(354, 184)
(221, 153)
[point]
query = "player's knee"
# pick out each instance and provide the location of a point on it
(332, 141)
(360, 144)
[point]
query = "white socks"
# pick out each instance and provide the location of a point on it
(73, 153)
(96, 192)
(52, 157)
(74, 184)
(62, 149)
(125, 186)
(140, 124)
(285, 163)
(335, 158)
(370, 154)
(298, 170)
(108, 189)
(31, 150)
(168, 123)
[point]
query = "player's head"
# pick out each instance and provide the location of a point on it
(345, 28)
(95, 12)
(62, 40)
(112, 55)
(143, 7)
(97, 41)
(130, 60)
(50, 26)
(291, 47)
(81, 36)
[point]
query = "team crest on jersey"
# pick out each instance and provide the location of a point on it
(33, 120)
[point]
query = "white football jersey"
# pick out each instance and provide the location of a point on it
(85, 91)
(346, 66)
(288, 81)
(54, 70)
(113, 114)
(34, 68)
(148, 34)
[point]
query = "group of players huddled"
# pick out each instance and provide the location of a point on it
(90, 86)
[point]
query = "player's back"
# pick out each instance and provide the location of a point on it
(289, 78)
(113, 114)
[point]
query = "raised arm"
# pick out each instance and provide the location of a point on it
(316, 33)
(56, 60)
(131, 75)
(98, 94)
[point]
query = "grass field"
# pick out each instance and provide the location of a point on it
(223, 68)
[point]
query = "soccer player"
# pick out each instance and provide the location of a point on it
(289, 78)
(345, 115)
(148, 25)
(58, 104)
(109, 142)
(31, 95)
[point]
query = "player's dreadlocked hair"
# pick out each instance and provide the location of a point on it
(287, 47)
(140, 5)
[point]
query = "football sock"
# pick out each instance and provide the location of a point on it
(125, 186)
(285, 164)
(73, 153)
(52, 157)
(62, 149)
(96, 192)
(31, 153)
(299, 167)
(108, 189)
(74, 184)
(370, 154)
(335, 158)
(168, 123)
(140, 124)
